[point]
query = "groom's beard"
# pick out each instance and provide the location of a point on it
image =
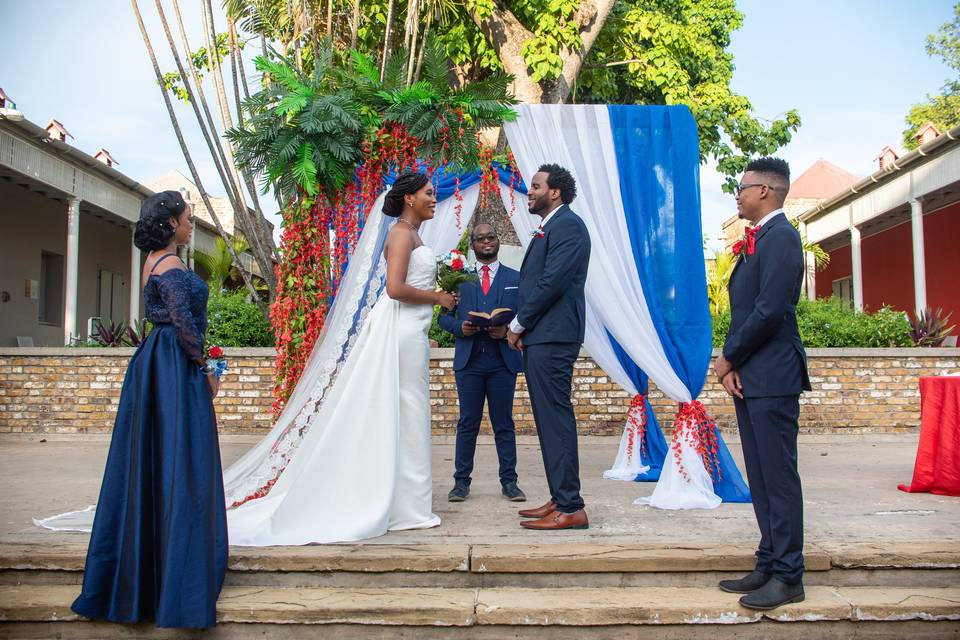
(541, 205)
(486, 255)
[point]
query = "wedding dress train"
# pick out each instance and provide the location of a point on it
(363, 465)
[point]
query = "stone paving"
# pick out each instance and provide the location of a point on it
(850, 495)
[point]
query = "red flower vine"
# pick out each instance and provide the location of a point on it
(694, 426)
(637, 424)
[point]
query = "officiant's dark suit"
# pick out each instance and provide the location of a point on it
(485, 368)
(550, 327)
(767, 366)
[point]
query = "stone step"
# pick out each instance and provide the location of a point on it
(29, 611)
(904, 564)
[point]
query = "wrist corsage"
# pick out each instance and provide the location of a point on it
(216, 364)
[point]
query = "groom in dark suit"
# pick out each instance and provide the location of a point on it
(549, 329)
(763, 366)
(485, 367)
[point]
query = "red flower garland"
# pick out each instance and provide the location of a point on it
(637, 424)
(310, 269)
(695, 426)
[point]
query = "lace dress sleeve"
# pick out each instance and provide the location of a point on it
(174, 292)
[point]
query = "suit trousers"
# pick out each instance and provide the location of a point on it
(486, 377)
(768, 434)
(549, 372)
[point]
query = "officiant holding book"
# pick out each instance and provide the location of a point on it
(485, 367)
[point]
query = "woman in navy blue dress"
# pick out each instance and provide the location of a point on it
(158, 549)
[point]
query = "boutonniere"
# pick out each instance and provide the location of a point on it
(747, 244)
(537, 233)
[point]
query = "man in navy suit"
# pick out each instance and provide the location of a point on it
(763, 366)
(485, 367)
(549, 329)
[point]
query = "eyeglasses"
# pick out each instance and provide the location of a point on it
(740, 187)
(487, 238)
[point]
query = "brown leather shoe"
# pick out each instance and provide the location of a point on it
(539, 512)
(559, 520)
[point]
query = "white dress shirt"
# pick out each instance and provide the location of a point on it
(494, 267)
(515, 326)
(765, 219)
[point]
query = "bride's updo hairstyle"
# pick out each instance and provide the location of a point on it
(153, 230)
(405, 185)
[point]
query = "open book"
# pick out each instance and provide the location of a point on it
(495, 318)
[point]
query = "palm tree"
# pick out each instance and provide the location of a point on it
(178, 132)
(718, 277)
(219, 264)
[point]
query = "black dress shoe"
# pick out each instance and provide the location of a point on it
(513, 493)
(774, 594)
(459, 492)
(747, 584)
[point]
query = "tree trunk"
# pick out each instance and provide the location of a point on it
(423, 46)
(183, 145)
(386, 39)
(261, 242)
(506, 34)
(355, 24)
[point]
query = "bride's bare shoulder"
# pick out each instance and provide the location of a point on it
(399, 241)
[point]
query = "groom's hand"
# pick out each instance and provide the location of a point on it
(468, 328)
(722, 367)
(515, 340)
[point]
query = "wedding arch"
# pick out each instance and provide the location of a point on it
(637, 173)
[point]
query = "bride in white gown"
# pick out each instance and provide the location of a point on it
(361, 466)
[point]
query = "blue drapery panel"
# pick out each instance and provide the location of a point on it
(658, 158)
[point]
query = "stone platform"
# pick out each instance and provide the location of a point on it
(880, 563)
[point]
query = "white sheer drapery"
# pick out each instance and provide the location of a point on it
(579, 138)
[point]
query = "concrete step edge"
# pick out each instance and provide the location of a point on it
(524, 607)
(525, 558)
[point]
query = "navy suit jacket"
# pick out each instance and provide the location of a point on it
(504, 289)
(763, 343)
(552, 306)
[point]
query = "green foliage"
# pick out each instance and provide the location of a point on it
(305, 130)
(200, 59)
(830, 323)
(675, 52)
(438, 334)
(718, 278)
(219, 263)
(233, 321)
(943, 110)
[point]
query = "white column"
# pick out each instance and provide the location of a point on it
(73, 269)
(919, 266)
(134, 284)
(809, 267)
(857, 267)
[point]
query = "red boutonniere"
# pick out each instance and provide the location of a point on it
(536, 233)
(747, 244)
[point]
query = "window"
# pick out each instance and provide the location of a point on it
(51, 289)
(843, 291)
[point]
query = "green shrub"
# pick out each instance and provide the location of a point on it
(235, 322)
(829, 323)
(442, 337)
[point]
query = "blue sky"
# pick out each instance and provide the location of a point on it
(851, 67)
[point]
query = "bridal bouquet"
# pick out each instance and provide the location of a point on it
(453, 270)
(216, 360)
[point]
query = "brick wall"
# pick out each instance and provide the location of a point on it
(76, 391)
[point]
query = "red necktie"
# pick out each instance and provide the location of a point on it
(485, 282)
